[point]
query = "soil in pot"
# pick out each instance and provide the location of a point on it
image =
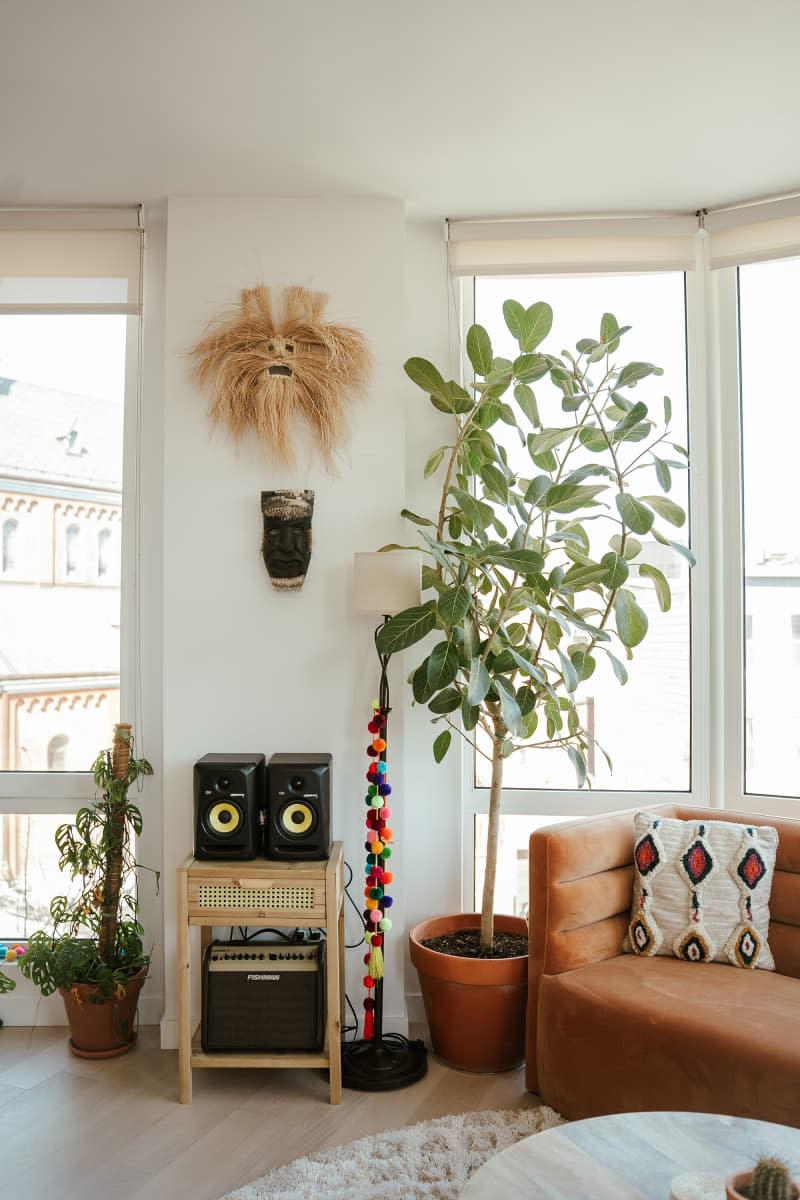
(466, 943)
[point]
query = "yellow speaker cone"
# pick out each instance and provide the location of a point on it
(224, 817)
(297, 818)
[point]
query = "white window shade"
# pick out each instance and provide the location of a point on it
(560, 245)
(747, 233)
(70, 260)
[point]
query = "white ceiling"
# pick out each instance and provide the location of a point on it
(458, 107)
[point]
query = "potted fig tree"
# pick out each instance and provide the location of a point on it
(93, 954)
(531, 561)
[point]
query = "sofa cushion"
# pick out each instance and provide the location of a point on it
(701, 890)
(630, 1034)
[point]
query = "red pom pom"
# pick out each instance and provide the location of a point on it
(366, 960)
(377, 939)
(369, 1004)
(373, 726)
(369, 982)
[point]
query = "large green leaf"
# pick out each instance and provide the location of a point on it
(525, 562)
(425, 375)
(495, 482)
(616, 569)
(620, 670)
(667, 509)
(663, 474)
(663, 593)
(526, 399)
(579, 763)
(508, 705)
(548, 439)
(593, 439)
(479, 349)
(412, 516)
(684, 551)
(530, 367)
(534, 325)
(637, 516)
(630, 375)
(434, 460)
(446, 702)
(477, 514)
(630, 619)
(442, 744)
(453, 605)
(631, 548)
(513, 313)
(407, 627)
(479, 682)
(420, 685)
(569, 672)
(569, 497)
(582, 661)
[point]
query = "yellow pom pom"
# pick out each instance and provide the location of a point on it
(11, 956)
(377, 847)
(372, 903)
(375, 967)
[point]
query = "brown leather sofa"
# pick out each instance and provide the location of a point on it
(610, 1032)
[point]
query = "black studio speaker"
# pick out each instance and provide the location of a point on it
(299, 806)
(229, 800)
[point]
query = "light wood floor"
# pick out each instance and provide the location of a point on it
(72, 1129)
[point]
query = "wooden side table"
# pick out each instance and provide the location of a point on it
(261, 893)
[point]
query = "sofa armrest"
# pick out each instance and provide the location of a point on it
(580, 880)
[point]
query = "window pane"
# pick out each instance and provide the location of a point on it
(29, 874)
(511, 889)
(644, 726)
(770, 434)
(61, 417)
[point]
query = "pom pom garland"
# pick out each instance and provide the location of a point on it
(376, 923)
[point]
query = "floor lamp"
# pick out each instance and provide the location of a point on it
(384, 584)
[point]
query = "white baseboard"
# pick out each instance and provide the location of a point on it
(27, 1010)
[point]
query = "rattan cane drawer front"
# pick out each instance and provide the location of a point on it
(240, 898)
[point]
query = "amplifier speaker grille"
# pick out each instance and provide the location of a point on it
(294, 898)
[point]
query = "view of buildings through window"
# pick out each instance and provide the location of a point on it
(61, 425)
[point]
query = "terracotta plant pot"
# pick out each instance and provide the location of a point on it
(102, 1030)
(475, 1006)
(742, 1179)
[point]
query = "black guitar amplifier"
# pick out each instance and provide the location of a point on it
(264, 996)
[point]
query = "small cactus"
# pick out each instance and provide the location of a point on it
(771, 1180)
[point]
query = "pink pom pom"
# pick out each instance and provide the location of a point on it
(375, 916)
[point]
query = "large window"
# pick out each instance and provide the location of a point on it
(711, 711)
(770, 435)
(648, 752)
(69, 331)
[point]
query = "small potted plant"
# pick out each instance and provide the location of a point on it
(532, 563)
(769, 1180)
(94, 955)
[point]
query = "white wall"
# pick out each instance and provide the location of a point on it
(247, 668)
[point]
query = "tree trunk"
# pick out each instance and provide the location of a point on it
(495, 801)
(112, 883)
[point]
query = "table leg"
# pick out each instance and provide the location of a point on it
(184, 992)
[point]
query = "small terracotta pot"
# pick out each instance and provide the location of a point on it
(734, 1184)
(475, 1006)
(102, 1030)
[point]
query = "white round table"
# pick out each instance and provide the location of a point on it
(629, 1155)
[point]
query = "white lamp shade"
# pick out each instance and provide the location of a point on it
(384, 584)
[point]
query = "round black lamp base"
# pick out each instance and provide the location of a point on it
(382, 1066)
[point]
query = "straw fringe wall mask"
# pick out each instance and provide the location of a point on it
(264, 372)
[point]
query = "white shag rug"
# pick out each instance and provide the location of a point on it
(433, 1159)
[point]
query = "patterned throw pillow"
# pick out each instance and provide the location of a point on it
(701, 890)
